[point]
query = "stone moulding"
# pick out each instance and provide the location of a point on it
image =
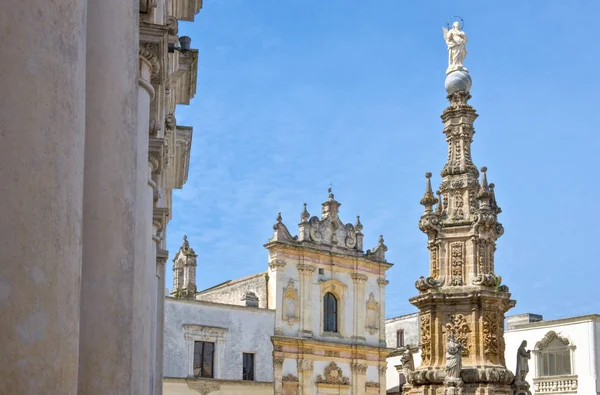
(487, 375)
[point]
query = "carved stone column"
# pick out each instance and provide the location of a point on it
(359, 371)
(42, 128)
(278, 374)
(306, 310)
(111, 254)
(360, 311)
(305, 376)
(382, 381)
(382, 283)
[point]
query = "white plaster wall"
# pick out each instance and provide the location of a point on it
(579, 333)
(372, 373)
(233, 293)
(410, 324)
(249, 330)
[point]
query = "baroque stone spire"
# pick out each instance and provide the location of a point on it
(462, 297)
(184, 271)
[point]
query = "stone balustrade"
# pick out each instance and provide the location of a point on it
(555, 385)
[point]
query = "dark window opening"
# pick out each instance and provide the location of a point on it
(330, 313)
(248, 369)
(400, 338)
(204, 353)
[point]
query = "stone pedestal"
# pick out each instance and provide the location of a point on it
(42, 120)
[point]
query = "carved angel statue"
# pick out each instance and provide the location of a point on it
(453, 358)
(456, 40)
(523, 356)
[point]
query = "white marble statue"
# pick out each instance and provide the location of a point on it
(523, 356)
(456, 40)
(453, 358)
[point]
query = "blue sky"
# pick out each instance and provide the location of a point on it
(293, 95)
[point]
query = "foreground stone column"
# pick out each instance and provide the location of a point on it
(42, 116)
(108, 353)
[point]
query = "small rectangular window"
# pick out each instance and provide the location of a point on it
(321, 271)
(400, 338)
(204, 359)
(248, 369)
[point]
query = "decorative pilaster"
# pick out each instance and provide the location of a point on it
(359, 377)
(360, 281)
(306, 273)
(382, 282)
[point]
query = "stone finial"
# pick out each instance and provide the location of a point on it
(428, 199)
(330, 207)
(358, 226)
(279, 219)
(484, 192)
(381, 240)
(493, 199)
(305, 215)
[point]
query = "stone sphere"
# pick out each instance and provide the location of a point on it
(458, 81)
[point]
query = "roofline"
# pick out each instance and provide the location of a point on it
(216, 304)
(231, 282)
(559, 321)
(327, 250)
(397, 318)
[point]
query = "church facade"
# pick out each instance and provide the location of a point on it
(320, 304)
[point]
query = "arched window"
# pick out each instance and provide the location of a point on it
(330, 313)
(554, 356)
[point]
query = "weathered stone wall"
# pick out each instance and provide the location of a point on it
(243, 330)
(234, 291)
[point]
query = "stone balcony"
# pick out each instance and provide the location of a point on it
(555, 385)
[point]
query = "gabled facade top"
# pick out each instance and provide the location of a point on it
(328, 233)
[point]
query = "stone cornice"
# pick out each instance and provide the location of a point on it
(185, 10)
(307, 344)
(305, 250)
(557, 322)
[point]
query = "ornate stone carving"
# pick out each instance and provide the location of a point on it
(278, 361)
(276, 264)
(423, 284)
(458, 207)
(358, 368)
(491, 336)
(203, 388)
(426, 338)
(378, 253)
(149, 53)
(548, 339)
(458, 326)
(359, 278)
(290, 311)
(435, 268)
(407, 361)
(305, 364)
(372, 384)
(332, 353)
(289, 378)
(456, 263)
(372, 315)
(333, 375)
(382, 282)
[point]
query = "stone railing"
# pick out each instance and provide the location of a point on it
(555, 385)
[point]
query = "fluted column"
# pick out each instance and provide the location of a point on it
(42, 121)
(108, 351)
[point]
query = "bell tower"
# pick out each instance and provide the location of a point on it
(462, 297)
